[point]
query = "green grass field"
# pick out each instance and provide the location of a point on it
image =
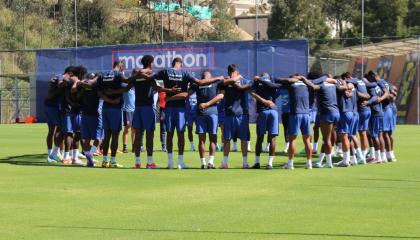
(38, 201)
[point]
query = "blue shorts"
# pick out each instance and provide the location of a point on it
(112, 119)
(70, 123)
(364, 118)
(144, 118)
(344, 125)
(333, 117)
(191, 117)
(314, 114)
(91, 128)
(300, 121)
(236, 127)
(53, 116)
(394, 121)
(388, 119)
(175, 119)
(354, 124)
(268, 121)
(317, 120)
(221, 116)
(206, 124)
(376, 125)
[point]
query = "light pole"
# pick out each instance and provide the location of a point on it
(363, 36)
(75, 21)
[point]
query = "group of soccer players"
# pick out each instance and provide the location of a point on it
(88, 110)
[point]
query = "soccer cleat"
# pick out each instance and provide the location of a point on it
(151, 166)
(137, 165)
(308, 165)
(318, 165)
(210, 166)
(361, 162)
(115, 165)
(245, 166)
(125, 150)
(51, 161)
(288, 166)
(328, 165)
(268, 167)
(203, 166)
(56, 158)
(256, 166)
(182, 166)
(81, 155)
(105, 165)
(90, 163)
(67, 161)
(375, 161)
(353, 162)
(224, 166)
(170, 166)
(394, 159)
(164, 148)
(77, 162)
(343, 164)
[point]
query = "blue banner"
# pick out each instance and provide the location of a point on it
(278, 58)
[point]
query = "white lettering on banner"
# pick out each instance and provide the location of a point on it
(200, 58)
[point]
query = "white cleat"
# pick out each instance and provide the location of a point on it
(308, 165)
(170, 166)
(343, 164)
(77, 162)
(288, 166)
(51, 160)
(182, 166)
(81, 155)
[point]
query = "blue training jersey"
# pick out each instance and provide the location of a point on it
(327, 98)
(204, 94)
(112, 80)
(236, 100)
(129, 100)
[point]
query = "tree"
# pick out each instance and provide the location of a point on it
(340, 12)
(297, 19)
(224, 25)
(413, 17)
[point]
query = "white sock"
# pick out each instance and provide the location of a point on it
(93, 149)
(112, 159)
(66, 155)
(181, 160)
(270, 160)
(71, 153)
(138, 160)
(383, 156)
(62, 152)
(329, 159)
(309, 163)
(49, 152)
(170, 159)
(55, 151)
(203, 161)
(287, 146)
(392, 154)
(244, 160)
(105, 158)
(388, 155)
(354, 159)
(378, 156)
(290, 162)
(359, 153)
(76, 154)
(267, 146)
(321, 158)
(372, 152)
(315, 146)
(149, 159)
(211, 160)
(346, 157)
(225, 160)
(257, 159)
(364, 152)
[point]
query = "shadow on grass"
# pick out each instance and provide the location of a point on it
(31, 160)
(236, 232)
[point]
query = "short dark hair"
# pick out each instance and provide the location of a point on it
(313, 75)
(204, 72)
(346, 75)
(147, 60)
(116, 63)
(176, 60)
(232, 68)
(68, 69)
(80, 71)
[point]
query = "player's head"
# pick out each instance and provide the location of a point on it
(177, 62)
(265, 75)
(233, 70)
(69, 70)
(372, 76)
(79, 71)
(118, 65)
(147, 61)
(346, 75)
(313, 75)
(206, 75)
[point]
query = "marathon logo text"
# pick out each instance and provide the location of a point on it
(193, 58)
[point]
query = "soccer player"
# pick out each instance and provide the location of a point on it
(177, 79)
(394, 93)
(388, 118)
(206, 116)
(191, 112)
(111, 85)
(128, 113)
(285, 114)
(328, 107)
(91, 127)
(376, 124)
(52, 113)
(236, 122)
(268, 118)
(221, 118)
